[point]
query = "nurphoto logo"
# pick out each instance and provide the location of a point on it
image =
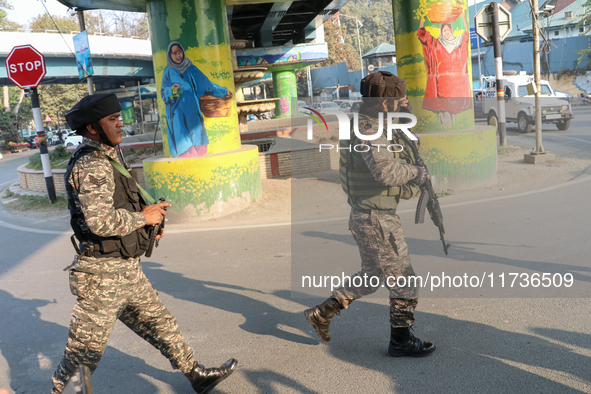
(345, 129)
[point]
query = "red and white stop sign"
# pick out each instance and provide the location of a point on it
(25, 66)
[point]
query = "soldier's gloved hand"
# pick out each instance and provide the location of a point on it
(421, 177)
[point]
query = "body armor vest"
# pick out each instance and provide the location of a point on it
(360, 185)
(127, 196)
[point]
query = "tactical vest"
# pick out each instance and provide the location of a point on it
(360, 185)
(127, 196)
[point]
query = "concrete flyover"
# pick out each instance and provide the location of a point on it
(117, 61)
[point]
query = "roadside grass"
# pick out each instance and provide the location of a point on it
(446, 192)
(35, 203)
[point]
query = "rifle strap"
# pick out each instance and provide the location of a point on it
(126, 174)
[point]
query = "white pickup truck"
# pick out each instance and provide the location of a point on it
(520, 106)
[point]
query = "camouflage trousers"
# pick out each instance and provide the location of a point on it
(384, 256)
(104, 298)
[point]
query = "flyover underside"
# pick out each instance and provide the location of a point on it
(265, 22)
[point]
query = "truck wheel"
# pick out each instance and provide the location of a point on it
(522, 123)
(563, 124)
(493, 120)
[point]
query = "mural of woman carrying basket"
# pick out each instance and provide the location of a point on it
(446, 61)
(183, 87)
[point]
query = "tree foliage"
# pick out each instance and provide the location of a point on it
(4, 22)
(8, 127)
(54, 22)
(56, 100)
(377, 19)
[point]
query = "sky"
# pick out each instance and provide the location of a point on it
(24, 10)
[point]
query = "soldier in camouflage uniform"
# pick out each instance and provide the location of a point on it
(110, 220)
(375, 178)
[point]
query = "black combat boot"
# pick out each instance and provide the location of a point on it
(203, 380)
(404, 343)
(319, 317)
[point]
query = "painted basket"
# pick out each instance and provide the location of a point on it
(444, 12)
(213, 107)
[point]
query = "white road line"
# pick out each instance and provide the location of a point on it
(579, 179)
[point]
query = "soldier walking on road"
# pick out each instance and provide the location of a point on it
(110, 220)
(375, 179)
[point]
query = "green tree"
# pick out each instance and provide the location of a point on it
(47, 22)
(5, 23)
(377, 19)
(8, 127)
(56, 100)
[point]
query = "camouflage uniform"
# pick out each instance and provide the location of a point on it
(112, 288)
(376, 227)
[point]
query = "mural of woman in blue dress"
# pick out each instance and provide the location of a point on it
(182, 85)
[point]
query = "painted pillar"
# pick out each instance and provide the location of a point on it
(206, 172)
(433, 57)
(127, 111)
(285, 88)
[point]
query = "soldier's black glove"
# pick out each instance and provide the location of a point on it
(421, 177)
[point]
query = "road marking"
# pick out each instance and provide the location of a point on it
(7, 183)
(580, 179)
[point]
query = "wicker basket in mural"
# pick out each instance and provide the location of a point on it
(444, 12)
(213, 107)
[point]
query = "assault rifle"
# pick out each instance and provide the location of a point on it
(79, 383)
(154, 231)
(428, 197)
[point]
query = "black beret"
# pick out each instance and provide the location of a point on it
(91, 109)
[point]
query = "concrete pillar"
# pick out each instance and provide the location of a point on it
(206, 172)
(128, 111)
(433, 57)
(285, 88)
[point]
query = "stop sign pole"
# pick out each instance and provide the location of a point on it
(25, 67)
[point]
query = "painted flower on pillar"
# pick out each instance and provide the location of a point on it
(447, 92)
(284, 103)
(189, 96)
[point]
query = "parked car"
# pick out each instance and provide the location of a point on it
(347, 105)
(301, 106)
(519, 103)
(324, 105)
(73, 140)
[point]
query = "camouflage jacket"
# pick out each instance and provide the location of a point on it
(387, 168)
(92, 178)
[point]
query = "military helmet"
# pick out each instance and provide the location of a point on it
(91, 109)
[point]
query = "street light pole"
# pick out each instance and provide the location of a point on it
(357, 25)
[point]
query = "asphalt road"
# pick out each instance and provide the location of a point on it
(237, 293)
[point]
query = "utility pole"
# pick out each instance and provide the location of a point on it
(496, 38)
(43, 145)
(478, 46)
(89, 79)
(537, 76)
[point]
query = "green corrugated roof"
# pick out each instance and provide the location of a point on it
(381, 49)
